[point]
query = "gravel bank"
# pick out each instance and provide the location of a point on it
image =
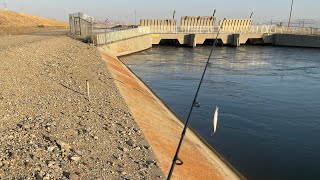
(49, 129)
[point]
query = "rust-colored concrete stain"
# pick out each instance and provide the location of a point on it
(162, 129)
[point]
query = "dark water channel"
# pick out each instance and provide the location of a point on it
(268, 98)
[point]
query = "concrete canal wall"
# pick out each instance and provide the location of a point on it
(159, 125)
(296, 40)
(129, 46)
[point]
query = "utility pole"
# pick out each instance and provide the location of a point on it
(5, 5)
(290, 14)
(135, 17)
(251, 15)
(174, 14)
(106, 22)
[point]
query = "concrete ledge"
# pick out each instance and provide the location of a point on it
(296, 40)
(162, 128)
(128, 46)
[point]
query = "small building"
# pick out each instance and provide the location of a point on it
(81, 25)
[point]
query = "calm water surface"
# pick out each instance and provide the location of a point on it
(268, 98)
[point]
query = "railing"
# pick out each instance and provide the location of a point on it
(198, 29)
(272, 30)
(295, 30)
(183, 29)
(110, 37)
(233, 30)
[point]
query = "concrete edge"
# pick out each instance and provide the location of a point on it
(181, 121)
(137, 46)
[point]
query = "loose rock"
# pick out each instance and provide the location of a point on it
(49, 130)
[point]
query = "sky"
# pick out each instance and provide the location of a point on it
(124, 10)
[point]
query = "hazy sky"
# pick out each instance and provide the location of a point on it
(123, 10)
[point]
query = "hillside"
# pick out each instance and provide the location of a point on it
(12, 23)
(15, 19)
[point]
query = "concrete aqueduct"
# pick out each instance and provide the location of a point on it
(197, 30)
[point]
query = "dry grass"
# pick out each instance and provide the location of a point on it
(15, 19)
(12, 23)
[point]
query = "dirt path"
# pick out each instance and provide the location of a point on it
(49, 129)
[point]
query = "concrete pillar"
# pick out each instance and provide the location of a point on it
(182, 22)
(236, 40)
(192, 40)
(191, 22)
(198, 21)
(187, 21)
(209, 22)
(155, 23)
(195, 21)
(172, 25)
(276, 39)
(201, 21)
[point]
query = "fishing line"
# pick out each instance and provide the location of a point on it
(194, 104)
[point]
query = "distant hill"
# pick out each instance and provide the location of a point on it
(16, 19)
(15, 23)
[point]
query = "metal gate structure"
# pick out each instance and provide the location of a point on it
(81, 26)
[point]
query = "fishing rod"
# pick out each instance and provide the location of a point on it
(194, 104)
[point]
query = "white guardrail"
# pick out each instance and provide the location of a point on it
(233, 30)
(109, 37)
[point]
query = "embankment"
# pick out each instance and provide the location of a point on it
(15, 23)
(48, 127)
(159, 125)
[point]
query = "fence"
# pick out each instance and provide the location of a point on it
(206, 29)
(81, 26)
(109, 37)
(295, 30)
(233, 30)
(272, 30)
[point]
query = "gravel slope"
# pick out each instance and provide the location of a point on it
(49, 129)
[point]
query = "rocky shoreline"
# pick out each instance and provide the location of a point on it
(48, 126)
